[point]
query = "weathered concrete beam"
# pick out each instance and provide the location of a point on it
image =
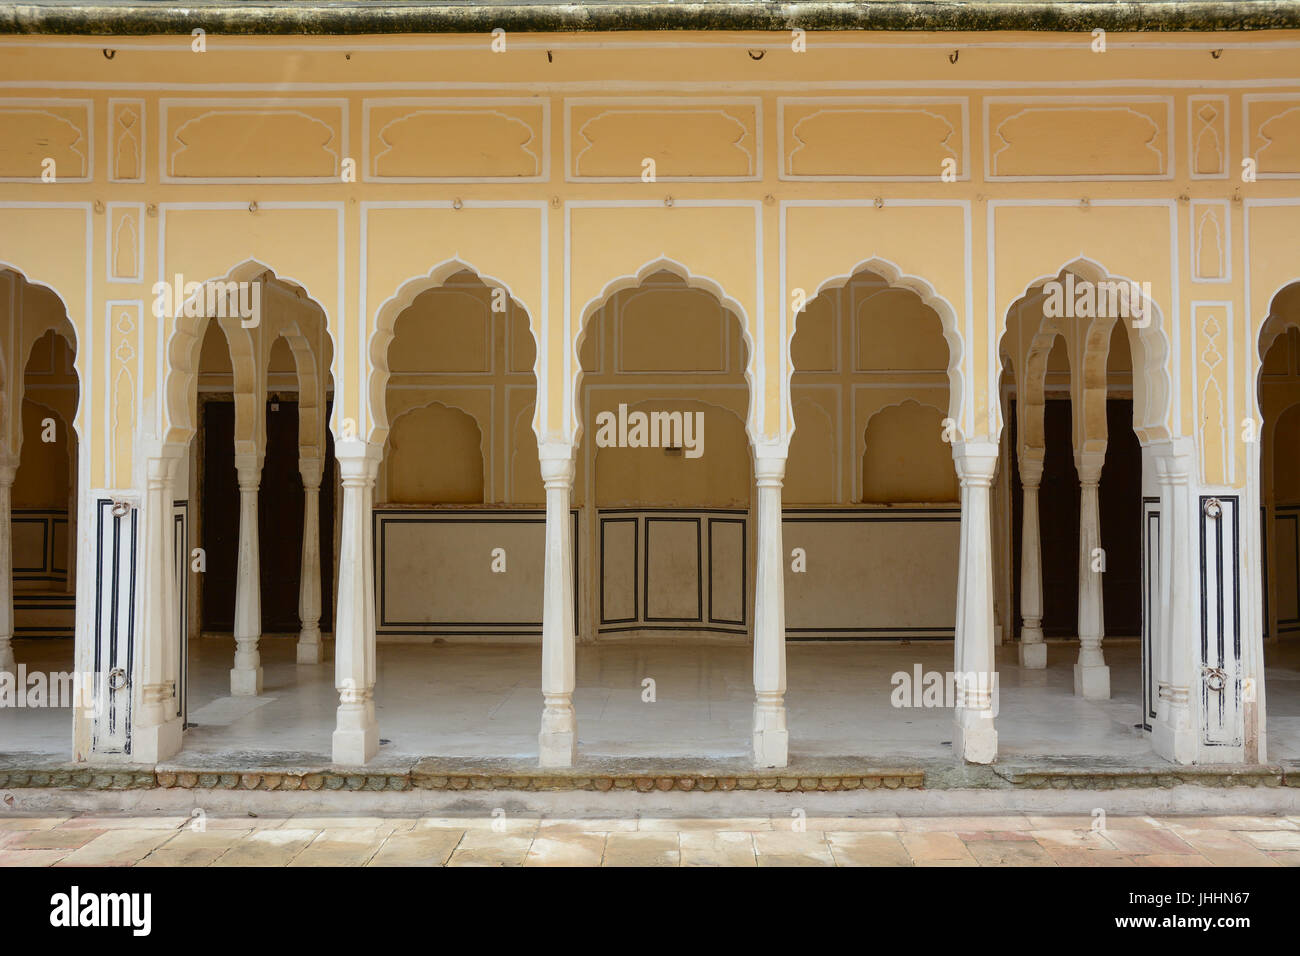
(315, 17)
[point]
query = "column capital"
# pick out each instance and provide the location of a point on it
(1030, 466)
(557, 464)
(975, 460)
(358, 460)
(249, 467)
(1088, 464)
(769, 465)
(311, 469)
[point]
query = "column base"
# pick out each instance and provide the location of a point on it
(771, 735)
(311, 653)
(771, 748)
(356, 746)
(1175, 744)
(1092, 682)
(158, 743)
(1033, 656)
(977, 743)
(557, 748)
(245, 682)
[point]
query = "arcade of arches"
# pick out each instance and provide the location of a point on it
(521, 456)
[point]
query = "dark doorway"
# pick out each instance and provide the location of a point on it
(1120, 502)
(279, 519)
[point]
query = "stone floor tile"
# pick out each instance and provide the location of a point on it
(125, 822)
(429, 847)
(274, 847)
(1010, 853)
(344, 846)
(688, 824)
(55, 839)
(1012, 821)
(566, 849)
(120, 847)
(808, 848)
(706, 848)
(642, 849)
(187, 856)
(31, 822)
(876, 822)
(485, 847)
(1225, 848)
(1135, 842)
(553, 825)
(32, 857)
(1286, 857)
(1080, 839)
(1273, 839)
(1171, 859)
(866, 848)
(930, 848)
(1076, 856)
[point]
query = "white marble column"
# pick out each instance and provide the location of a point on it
(975, 737)
(356, 733)
(771, 735)
(1091, 675)
(1173, 733)
(558, 739)
(1033, 652)
(8, 468)
(156, 731)
(310, 648)
(246, 675)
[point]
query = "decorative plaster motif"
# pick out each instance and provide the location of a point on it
(873, 142)
(256, 142)
(1273, 135)
(124, 321)
(1062, 140)
(41, 131)
(126, 141)
(1208, 122)
(702, 141)
(410, 142)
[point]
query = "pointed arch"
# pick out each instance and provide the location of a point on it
(573, 367)
(374, 406)
(895, 278)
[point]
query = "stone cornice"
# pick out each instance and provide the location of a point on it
(314, 17)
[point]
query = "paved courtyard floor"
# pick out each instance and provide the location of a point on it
(484, 700)
(1013, 839)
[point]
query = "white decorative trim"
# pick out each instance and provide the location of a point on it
(1225, 240)
(1200, 382)
(1225, 146)
(110, 245)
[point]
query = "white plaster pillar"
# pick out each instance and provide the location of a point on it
(8, 468)
(1091, 675)
(356, 733)
(1033, 651)
(975, 737)
(558, 739)
(156, 731)
(771, 735)
(310, 648)
(246, 675)
(1173, 732)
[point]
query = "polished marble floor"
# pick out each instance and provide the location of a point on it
(456, 699)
